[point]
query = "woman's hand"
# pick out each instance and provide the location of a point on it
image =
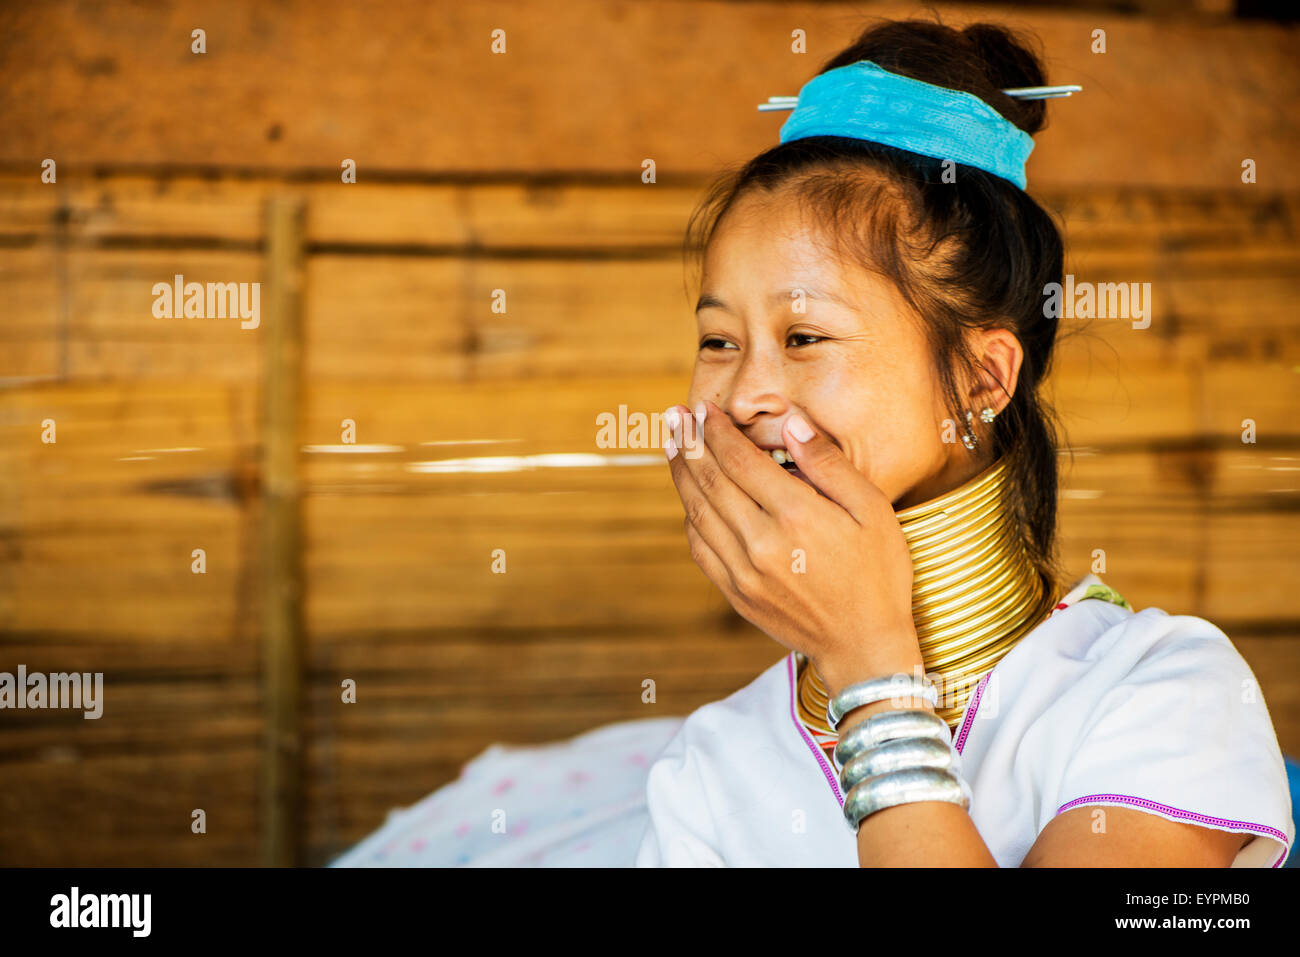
(827, 575)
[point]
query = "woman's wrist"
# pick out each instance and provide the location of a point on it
(841, 674)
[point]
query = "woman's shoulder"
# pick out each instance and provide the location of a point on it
(735, 776)
(1093, 623)
(752, 731)
(1095, 652)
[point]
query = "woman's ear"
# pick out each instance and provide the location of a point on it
(1000, 355)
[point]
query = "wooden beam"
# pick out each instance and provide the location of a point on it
(281, 535)
(594, 87)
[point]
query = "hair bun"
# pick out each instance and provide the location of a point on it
(982, 59)
(1010, 63)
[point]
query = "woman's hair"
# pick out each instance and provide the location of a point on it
(974, 253)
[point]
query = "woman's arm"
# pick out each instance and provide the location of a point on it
(1130, 839)
(921, 834)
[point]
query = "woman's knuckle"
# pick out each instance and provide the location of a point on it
(708, 478)
(761, 553)
(746, 580)
(696, 513)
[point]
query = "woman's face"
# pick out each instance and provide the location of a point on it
(852, 362)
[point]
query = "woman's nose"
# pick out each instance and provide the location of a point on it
(757, 387)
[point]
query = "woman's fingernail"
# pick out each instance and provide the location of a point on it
(800, 429)
(700, 412)
(672, 418)
(670, 449)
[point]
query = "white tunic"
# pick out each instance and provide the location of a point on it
(1096, 706)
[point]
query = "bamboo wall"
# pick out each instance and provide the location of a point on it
(520, 173)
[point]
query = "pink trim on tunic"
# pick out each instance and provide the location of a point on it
(1215, 822)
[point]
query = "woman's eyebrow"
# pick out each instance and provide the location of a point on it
(709, 301)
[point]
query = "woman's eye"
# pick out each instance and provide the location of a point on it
(717, 344)
(807, 340)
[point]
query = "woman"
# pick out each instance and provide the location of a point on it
(869, 475)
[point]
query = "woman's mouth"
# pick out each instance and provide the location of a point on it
(784, 459)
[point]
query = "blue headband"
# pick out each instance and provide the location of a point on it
(865, 102)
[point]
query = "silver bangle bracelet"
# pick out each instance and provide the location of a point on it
(886, 726)
(879, 689)
(899, 755)
(903, 787)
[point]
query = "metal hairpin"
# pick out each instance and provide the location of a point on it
(1020, 93)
